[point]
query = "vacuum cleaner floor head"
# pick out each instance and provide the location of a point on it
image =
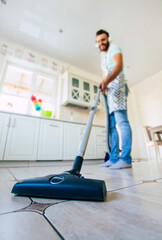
(62, 186)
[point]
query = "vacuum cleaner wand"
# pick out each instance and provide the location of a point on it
(82, 148)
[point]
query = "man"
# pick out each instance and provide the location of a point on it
(114, 81)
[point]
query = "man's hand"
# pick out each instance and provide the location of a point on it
(103, 85)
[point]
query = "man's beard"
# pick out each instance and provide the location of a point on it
(106, 47)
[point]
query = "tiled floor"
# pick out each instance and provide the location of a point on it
(131, 211)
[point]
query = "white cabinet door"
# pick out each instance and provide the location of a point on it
(51, 140)
(90, 152)
(73, 134)
(80, 91)
(101, 142)
(22, 140)
(4, 126)
(76, 90)
(71, 140)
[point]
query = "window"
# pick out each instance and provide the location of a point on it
(45, 89)
(15, 89)
(19, 83)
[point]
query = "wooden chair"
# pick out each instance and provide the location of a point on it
(150, 141)
(156, 134)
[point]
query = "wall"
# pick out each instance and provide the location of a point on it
(145, 108)
(81, 115)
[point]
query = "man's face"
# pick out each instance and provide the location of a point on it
(102, 41)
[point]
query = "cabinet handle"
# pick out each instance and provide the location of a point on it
(51, 125)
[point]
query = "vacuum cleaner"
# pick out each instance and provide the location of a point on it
(69, 184)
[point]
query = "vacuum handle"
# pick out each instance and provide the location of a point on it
(87, 131)
(82, 148)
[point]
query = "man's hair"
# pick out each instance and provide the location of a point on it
(101, 31)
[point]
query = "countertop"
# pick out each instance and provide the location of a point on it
(47, 118)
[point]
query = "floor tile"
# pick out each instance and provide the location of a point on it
(114, 179)
(129, 214)
(147, 170)
(5, 174)
(30, 172)
(26, 225)
(8, 201)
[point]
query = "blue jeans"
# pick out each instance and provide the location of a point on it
(120, 118)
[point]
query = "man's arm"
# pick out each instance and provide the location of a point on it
(118, 61)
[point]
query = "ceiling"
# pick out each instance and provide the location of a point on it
(65, 30)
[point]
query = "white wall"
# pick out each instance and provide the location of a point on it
(144, 108)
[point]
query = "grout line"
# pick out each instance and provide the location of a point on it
(142, 182)
(126, 187)
(50, 221)
(52, 204)
(12, 174)
(62, 238)
(19, 210)
(23, 210)
(8, 212)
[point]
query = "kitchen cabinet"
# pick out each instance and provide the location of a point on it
(22, 138)
(101, 148)
(50, 140)
(79, 91)
(36, 138)
(4, 126)
(71, 140)
(90, 152)
(73, 134)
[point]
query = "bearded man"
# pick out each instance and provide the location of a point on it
(115, 86)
